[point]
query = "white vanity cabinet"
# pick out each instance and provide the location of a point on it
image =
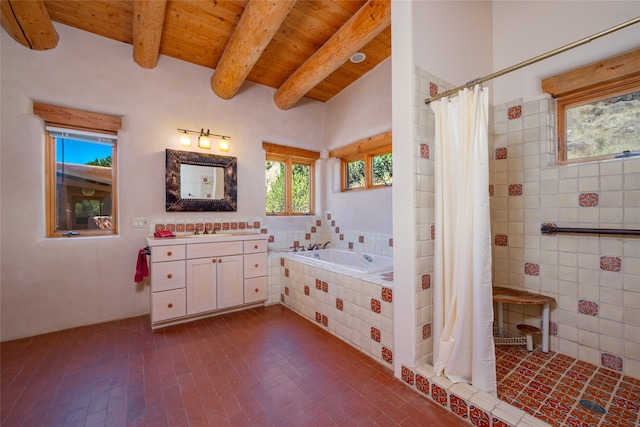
(194, 277)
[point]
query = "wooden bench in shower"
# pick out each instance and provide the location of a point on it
(514, 296)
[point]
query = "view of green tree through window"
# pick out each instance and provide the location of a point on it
(289, 180)
(382, 169)
(355, 174)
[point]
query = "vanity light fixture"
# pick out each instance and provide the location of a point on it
(204, 138)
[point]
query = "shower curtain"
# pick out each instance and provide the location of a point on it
(463, 347)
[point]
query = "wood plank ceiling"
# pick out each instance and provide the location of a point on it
(301, 47)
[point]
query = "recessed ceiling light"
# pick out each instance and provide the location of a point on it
(357, 57)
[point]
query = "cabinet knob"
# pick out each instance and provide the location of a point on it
(256, 266)
(257, 290)
(169, 253)
(219, 259)
(255, 246)
(214, 260)
(169, 305)
(169, 276)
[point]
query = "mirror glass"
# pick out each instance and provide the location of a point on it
(200, 182)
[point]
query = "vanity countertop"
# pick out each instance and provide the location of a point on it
(205, 238)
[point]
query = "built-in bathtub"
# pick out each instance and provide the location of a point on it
(359, 262)
(353, 302)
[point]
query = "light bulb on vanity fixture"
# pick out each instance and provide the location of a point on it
(204, 139)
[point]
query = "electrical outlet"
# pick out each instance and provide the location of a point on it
(140, 222)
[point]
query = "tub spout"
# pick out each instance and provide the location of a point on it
(325, 245)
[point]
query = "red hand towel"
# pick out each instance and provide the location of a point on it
(142, 269)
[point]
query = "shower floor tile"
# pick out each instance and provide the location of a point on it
(552, 386)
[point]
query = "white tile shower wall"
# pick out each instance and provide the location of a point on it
(425, 86)
(595, 280)
(356, 310)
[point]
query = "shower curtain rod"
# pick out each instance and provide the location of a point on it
(533, 60)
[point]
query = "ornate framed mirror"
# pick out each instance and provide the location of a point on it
(200, 182)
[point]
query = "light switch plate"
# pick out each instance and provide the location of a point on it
(140, 222)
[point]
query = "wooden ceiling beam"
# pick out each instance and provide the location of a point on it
(258, 24)
(148, 20)
(372, 18)
(29, 23)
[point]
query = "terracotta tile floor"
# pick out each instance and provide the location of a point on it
(551, 386)
(261, 367)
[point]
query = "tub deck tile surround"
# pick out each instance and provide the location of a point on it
(261, 367)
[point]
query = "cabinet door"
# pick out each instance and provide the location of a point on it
(230, 281)
(201, 285)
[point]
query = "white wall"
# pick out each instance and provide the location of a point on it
(52, 284)
(361, 110)
(525, 29)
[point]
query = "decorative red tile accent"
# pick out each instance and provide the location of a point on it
(387, 294)
(387, 355)
(296, 244)
(208, 226)
(263, 231)
(439, 395)
(515, 190)
(426, 331)
(342, 237)
(422, 384)
(318, 284)
(337, 229)
(553, 328)
(501, 240)
(306, 290)
(318, 222)
(286, 272)
(226, 226)
(256, 224)
(407, 375)
(360, 239)
(433, 232)
(199, 226)
(159, 227)
(611, 263)
(171, 227)
(307, 236)
(339, 304)
(242, 225)
(333, 222)
(249, 225)
(271, 239)
(375, 334)
(458, 406)
(433, 89)
(612, 361)
(318, 317)
(325, 287)
(531, 269)
(180, 228)
(190, 228)
(286, 290)
(424, 151)
(501, 153)
(426, 281)
(387, 277)
(282, 298)
(588, 200)
(514, 112)
(390, 243)
(375, 305)
(281, 262)
(350, 244)
(234, 225)
(325, 320)
(313, 229)
(478, 417)
(491, 190)
(217, 226)
(590, 308)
